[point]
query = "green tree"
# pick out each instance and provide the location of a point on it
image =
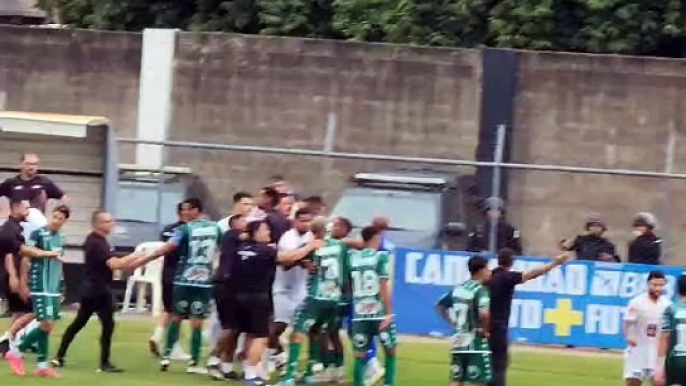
(307, 18)
(630, 26)
(226, 15)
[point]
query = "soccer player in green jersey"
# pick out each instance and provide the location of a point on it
(325, 287)
(45, 284)
(371, 300)
(670, 369)
(466, 308)
(196, 242)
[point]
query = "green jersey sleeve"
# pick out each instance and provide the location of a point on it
(446, 301)
(383, 266)
(34, 238)
(482, 299)
(219, 236)
(668, 322)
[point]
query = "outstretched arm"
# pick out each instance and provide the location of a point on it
(542, 270)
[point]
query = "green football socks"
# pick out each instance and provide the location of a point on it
(389, 377)
(196, 344)
(358, 373)
(293, 356)
(172, 337)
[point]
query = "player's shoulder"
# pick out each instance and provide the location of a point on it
(665, 302)
(638, 300)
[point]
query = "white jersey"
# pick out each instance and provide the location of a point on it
(34, 220)
(224, 224)
(646, 316)
(294, 280)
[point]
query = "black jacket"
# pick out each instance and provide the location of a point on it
(645, 249)
(590, 247)
(507, 237)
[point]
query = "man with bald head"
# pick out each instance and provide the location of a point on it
(30, 185)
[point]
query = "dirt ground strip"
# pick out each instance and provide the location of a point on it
(582, 352)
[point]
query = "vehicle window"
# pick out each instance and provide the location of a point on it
(415, 211)
(139, 204)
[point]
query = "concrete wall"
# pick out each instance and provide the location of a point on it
(281, 92)
(597, 111)
(71, 72)
(605, 112)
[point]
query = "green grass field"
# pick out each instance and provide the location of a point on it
(419, 364)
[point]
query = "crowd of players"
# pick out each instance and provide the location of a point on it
(277, 263)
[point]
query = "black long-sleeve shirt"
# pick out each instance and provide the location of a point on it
(593, 247)
(645, 249)
(171, 260)
(230, 243)
(507, 237)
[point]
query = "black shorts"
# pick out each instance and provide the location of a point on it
(250, 314)
(167, 295)
(223, 300)
(17, 305)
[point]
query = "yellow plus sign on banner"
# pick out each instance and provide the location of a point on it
(564, 317)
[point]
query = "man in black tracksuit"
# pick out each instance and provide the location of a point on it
(646, 248)
(502, 287)
(507, 235)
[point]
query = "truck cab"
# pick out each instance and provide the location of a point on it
(426, 209)
(146, 201)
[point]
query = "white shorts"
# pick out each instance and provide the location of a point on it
(636, 366)
(285, 305)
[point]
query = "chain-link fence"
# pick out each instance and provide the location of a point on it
(546, 203)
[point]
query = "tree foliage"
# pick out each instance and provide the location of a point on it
(604, 26)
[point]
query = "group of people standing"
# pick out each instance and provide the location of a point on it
(281, 264)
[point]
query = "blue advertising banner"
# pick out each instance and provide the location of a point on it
(580, 304)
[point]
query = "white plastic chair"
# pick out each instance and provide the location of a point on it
(149, 274)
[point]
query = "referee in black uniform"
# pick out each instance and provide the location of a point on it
(96, 291)
(502, 287)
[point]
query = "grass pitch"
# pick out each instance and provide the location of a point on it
(420, 363)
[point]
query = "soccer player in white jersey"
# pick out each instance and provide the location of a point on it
(290, 286)
(641, 330)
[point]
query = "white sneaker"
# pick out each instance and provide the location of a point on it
(317, 368)
(270, 367)
(194, 368)
(280, 360)
(339, 375)
(178, 354)
(373, 377)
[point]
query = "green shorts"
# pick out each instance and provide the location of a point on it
(472, 367)
(675, 371)
(315, 313)
(47, 307)
(364, 331)
(191, 302)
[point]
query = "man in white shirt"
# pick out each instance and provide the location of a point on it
(641, 330)
(243, 204)
(290, 284)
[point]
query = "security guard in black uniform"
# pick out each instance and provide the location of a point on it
(507, 235)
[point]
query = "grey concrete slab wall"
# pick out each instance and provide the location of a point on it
(600, 111)
(72, 72)
(597, 111)
(280, 92)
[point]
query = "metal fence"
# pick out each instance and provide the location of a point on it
(545, 202)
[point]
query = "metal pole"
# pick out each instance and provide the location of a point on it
(160, 190)
(393, 158)
(667, 219)
(495, 186)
